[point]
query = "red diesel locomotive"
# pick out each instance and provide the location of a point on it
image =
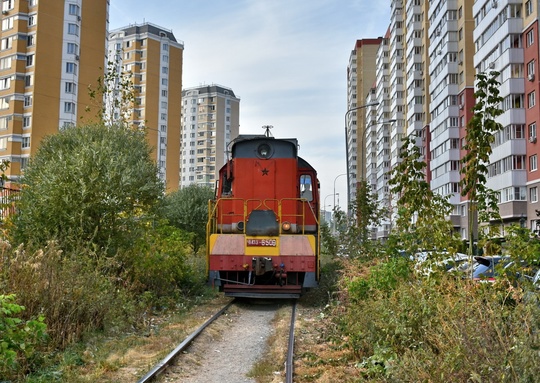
(263, 237)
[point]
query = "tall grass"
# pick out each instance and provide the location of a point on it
(439, 329)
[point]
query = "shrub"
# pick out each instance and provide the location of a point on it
(19, 339)
(440, 330)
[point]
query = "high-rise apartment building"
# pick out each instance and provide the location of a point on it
(153, 56)
(500, 42)
(451, 90)
(210, 121)
(425, 82)
(360, 80)
(531, 58)
(50, 51)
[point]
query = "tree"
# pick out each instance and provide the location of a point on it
(354, 229)
(114, 95)
(187, 209)
(422, 220)
(92, 184)
(478, 139)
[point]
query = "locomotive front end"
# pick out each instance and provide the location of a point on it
(263, 233)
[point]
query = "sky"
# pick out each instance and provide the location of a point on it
(285, 59)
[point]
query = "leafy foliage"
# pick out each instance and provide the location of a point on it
(92, 184)
(187, 209)
(354, 229)
(478, 140)
(422, 214)
(401, 328)
(19, 339)
(114, 95)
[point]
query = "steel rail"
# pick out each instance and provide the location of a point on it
(289, 365)
(163, 364)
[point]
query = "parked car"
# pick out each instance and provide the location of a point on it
(425, 265)
(486, 267)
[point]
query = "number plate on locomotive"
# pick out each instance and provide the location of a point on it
(261, 242)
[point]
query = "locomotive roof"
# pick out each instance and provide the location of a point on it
(245, 146)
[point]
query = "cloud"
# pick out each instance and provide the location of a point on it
(287, 61)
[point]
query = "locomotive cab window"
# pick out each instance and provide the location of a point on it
(306, 190)
(226, 185)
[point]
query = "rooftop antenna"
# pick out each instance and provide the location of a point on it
(267, 130)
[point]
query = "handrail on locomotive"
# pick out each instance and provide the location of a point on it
(215, 227)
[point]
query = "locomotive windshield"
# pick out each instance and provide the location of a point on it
(305, 187)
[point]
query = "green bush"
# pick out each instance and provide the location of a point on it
(161, 267)
(382, 278)
(440, 330)
(19, 339)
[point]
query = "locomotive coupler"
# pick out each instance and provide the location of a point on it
(261, 265)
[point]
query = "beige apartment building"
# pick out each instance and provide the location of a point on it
(153, 57)
(360, 79)
(210, 121)
(46, 65)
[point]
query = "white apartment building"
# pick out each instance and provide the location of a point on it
(446, 85)
(499, 46)
(210, 121)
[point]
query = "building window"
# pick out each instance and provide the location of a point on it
(531, 99)
(29, 60)
(4, 123)
(73, 29)
(7, 23)
(7, 43)
(71, 87)
(533, 162)
(30, 40)
(25, 143)
(4, 103)
(533, 194)
(5, 83)
(164, 70)
(71, 67)
(32, 3)
(5, 63)
(27, 122)
(530, 69)
(8, 5)
(3, 143)
(27, 101)
(532, 131)
(74, 9)
(166, 47)
(528, 7)
(530, 37)
(28, 80)
(69, 107)
(72, 49)
(32, 20)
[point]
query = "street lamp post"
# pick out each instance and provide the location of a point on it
(324, 206)
(335, 179)
(375, 103)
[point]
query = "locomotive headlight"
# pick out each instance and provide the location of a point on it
(240, 226)
(286, 226)
(264, 151)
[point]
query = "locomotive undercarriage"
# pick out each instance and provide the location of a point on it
(262, 279)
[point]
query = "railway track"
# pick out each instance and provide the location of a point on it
(247, 335)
